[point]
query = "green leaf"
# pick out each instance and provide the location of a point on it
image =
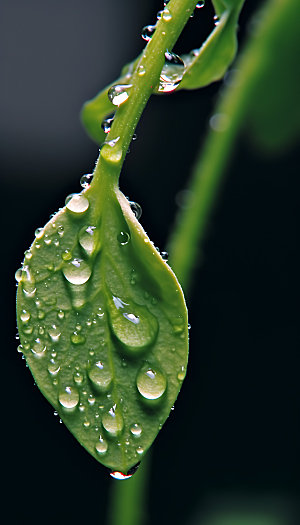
(211, 61)
(103, 326)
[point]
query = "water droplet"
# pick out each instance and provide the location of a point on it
(38, 348)
(123, 238)
(141, 71)
(119, 475)
(100, 377)
(171, 74)
(136, 208)
(219, 122)
(53, 369)
(150, 383)
(25, 316)
(113, 422)
(77, 339)
(39, 232)
(164, 255)
(18, 275)
(86, 180)
(101, 446)
(77, 203)
(78, 378)
(107, 123)
(27, 329)
(136, 430)
(200, 4)
(69, 397)
(77, 271)
(139, 450)
(216, 20)
(60, 231)
(133, 325)
(60, 314)
(147, 32)
(111, 142)
(119, 93)
(87, 239)
(54, 333)
(166, 15)
(181, 374)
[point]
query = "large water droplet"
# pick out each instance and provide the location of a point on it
(77, 203)
(136, 208)
(151, 384)
(147, 32)
(86, 180)
(136, 430)
(18, 275)
(166, 15)
(123, 238)
(119, 93)
(113, 422)
(87, 239)
(53, 369)
(200, 4)
(77, 339)
(171, 74)
(38, 348)
(107, 123)
(133, 325)
(77, 271)
(181, 374)
(119, 475)
(100, 376)
(69, 397)
(39, 233)
(101, 446)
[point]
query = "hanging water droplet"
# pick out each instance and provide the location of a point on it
(132, 318)
(101, 446)
(60, 231)
(38, 348)
(77, 339)
(150, 383)
(216, 20)
(219, 122)
(107, 123)
(87, 239)
(147, 32)
(171, 74)
(111, 142)
(28, 255)
(47, 240)
(123, 238)
(54, 333)
(25, 316)
(141, 71)
(200, 4)
(120, 476)
(166, 15)
(86, 180)
(100, 376)
(27, 329)
(77, 271)
(18, 275)
(113, 422)
(39, 232)
(53, 369)
(69, 397)
(119, 93)
(164, 256)
(77, 203)
(136, 430)
(66, 255)
(136, 208)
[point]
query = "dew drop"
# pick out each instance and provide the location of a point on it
(107, 123)
(200, 4)
(181, 374)
(136, 430)
(25, 316)
(136, 209)
(86, 423)
(216, 20)
(66, 255)
(39, 233)
(172, 73)
(118, 94)
(219, 122)
(86, 180)
(28, 255)
(38, 348)
(54, 333)
(150, 383)
(111, 142)
(123, 238)
(101, 446)
(18, 275)
(77, 203)
(166, 15)
(139, 450)
(77, 271)
(77, 339)
(87, 239)
(69, 397)
(53, 369)
(100, 377)
(147, 32)
(113, 422)
(141, 71)
(164, 256)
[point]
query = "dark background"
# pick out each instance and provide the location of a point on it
(232, 443)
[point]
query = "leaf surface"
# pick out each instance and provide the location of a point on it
(103, 326)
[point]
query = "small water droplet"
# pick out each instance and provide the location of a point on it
(111, 142)
(39, 233)
(150, 383)
(18, 275)
(25, 316)
(136, 430)
(119, 93)
(53, 369)
(60, 314)
(164, 256)
(77, 339)
(200, 4)
(123, 238)
(86, 423)
(61, 231)
(172, 73)
(28, 255)
(166, 15)
(87, 239)
(216, 20)
(69, 397)
(66, 255)
(86, 180)
(78, 378)
(38, 348)
(101, 446)
(77, 271)
(181, 374)
(113, 422)
(91, 400)
(141, 71)
(100, 376)
(77, 203)
(20, 349)
(147, 32)
(54, 333)
(107, 123)
(136, 209)
(120, 476)
(139, 450)
(27, 329)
